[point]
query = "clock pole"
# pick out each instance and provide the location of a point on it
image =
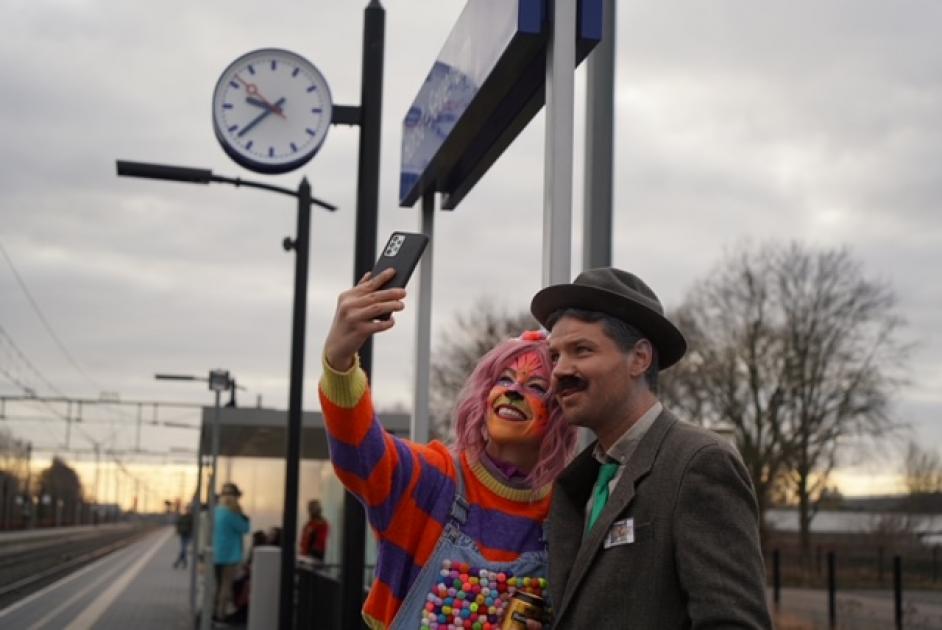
(289, 525)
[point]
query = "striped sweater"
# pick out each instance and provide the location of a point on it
(408, 488)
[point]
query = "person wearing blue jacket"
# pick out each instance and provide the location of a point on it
(229, 527)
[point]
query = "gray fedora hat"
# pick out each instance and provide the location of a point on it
(622, 295)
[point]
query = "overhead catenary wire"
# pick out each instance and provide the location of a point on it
(21, 382)
(21, 356)
(44, 321)
(31, 398)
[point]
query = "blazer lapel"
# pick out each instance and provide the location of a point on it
(637, 467)
(567, 518)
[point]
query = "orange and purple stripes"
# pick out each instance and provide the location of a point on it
(408, 489)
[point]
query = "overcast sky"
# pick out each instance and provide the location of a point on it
(735, 120)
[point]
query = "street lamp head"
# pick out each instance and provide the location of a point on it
(219, 380)
(164, 171)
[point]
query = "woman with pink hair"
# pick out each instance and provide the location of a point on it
(460, 528)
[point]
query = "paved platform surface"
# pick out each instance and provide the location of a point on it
(135, 588)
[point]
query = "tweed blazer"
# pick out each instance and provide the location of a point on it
(695, 560)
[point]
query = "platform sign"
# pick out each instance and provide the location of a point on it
(485, 86)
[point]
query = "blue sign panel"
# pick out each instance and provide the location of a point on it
(485, 86)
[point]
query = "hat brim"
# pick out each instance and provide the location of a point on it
(667, 338)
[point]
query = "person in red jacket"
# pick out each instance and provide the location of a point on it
(314, 535)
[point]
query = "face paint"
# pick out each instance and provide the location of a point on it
(517, 403)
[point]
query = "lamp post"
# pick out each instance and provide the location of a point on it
(301, 246)
(219, 381)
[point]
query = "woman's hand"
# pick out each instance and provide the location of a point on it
(356, 318)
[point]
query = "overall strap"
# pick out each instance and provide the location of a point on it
(459, 507)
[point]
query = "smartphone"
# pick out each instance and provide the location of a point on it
(402, 253)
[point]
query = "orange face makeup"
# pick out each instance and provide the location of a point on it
(517, 402)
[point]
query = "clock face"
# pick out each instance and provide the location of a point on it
(271, 110)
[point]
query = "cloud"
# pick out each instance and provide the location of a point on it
(800, 120)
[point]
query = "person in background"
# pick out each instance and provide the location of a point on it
(242, 583)
(273, 536)
(471, 513)
(230, 525)
(314, 536)
(259, 538)
(184, 527)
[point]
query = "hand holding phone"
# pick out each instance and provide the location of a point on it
(401, 253)
(356, 318)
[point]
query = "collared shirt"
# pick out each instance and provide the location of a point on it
(623, 448)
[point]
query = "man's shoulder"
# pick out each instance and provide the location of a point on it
(684, 437)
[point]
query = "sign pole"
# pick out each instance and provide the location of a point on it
(557, 177)
(419, 430)
(599, 147)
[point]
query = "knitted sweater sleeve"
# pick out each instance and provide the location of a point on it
(377, 467)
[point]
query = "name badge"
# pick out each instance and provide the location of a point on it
(621, 533)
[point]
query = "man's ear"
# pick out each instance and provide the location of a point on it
(640, 358)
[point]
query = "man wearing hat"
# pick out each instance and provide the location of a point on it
(655, 524)
(230, 525)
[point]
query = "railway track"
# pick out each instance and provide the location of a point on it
(27, 563)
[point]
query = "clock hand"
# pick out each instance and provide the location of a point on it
(259, 103)
(252, 90)
(268, 110)
(256, 102)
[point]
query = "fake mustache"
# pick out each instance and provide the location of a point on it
(570, 384)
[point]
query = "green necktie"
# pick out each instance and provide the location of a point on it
(606, 474)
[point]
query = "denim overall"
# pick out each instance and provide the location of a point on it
(457, 547)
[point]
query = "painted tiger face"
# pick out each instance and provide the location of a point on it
(517, 402)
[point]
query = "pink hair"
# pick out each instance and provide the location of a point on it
(559, 443)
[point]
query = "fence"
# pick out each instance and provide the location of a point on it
(861, 563)
(855, 562)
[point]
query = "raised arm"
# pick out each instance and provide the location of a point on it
(374, 465)
(355, 319)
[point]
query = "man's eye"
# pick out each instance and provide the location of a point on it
(504, 380)
(554, 358)
(537, 387)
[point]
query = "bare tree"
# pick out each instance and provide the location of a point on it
(842, 348)
(14, 459)
(462, 344)
(922, 470)
(797, 351)
(922, 474)
(13, 454)
(60, 492)
(735, 371)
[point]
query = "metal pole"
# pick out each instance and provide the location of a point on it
(195, 510)
(832, 592)
(289, 521)
(209, 585)
(557, 176)
(137, 439)
(97, 472)
(371, 105)
(68, 424)
(898, 591)
(599, 147)
(776, 577)
(419, 431)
